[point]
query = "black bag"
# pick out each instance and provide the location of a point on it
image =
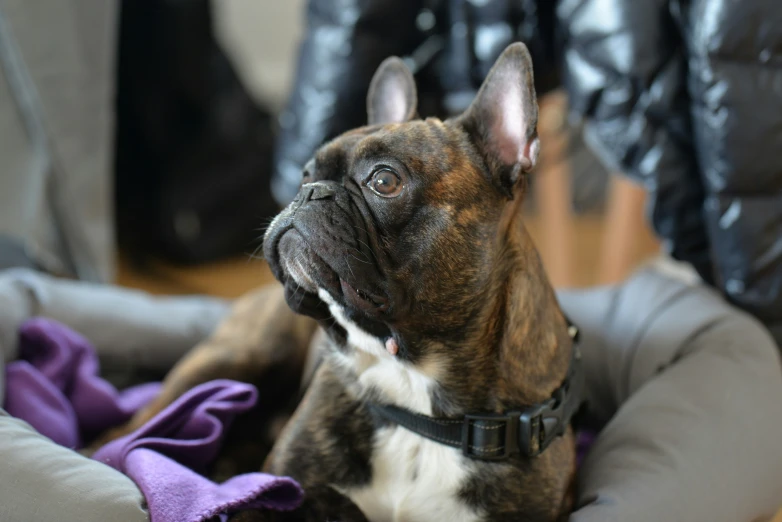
(193, 150)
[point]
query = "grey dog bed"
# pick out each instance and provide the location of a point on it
(687, 388)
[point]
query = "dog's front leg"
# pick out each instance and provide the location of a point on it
(326, 447)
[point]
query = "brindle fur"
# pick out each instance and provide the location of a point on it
(463, 291)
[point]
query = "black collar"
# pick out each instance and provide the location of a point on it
(498, 436)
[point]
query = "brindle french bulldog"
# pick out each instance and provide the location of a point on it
(406, 245)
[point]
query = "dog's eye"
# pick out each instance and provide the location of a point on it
(385, 182)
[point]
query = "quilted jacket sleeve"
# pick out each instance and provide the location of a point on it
(685, 98)
(625, 71)
(735, 84)
(345, 42)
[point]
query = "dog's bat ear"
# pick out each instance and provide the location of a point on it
(392, 94)
(503, 118)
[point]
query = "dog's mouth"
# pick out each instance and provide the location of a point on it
(304, 273)
(362, 299)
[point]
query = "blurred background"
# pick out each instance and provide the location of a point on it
(191, 143)
(588, 224)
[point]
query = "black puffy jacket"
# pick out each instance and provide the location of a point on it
(683, 96)
(449, 44)
(686, 97)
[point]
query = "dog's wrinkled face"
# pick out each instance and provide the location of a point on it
(399, 222)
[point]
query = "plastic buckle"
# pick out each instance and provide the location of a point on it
(541, 425)
(511, 439)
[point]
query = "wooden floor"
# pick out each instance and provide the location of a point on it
(233, 277)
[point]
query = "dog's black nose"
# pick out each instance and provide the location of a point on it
(320, 190)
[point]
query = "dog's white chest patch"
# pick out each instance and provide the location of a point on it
(405, 386)
(413, 479)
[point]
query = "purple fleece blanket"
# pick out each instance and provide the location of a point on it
(56, 388)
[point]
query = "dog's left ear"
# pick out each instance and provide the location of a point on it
(503, 118)
(392, 94)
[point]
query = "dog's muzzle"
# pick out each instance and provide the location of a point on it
(324, 239)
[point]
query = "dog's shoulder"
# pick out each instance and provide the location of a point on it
(329, 438)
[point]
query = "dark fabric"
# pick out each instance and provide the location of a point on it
(686, 98)
(194, 150)
(449, 44)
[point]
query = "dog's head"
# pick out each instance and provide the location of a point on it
(403, 224)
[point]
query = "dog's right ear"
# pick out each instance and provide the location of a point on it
(392, 94)
(502, 119)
